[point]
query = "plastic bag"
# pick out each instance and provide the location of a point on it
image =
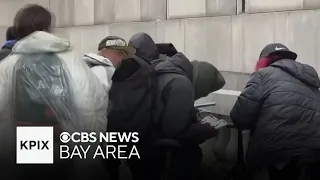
(44, 83)
(42, 92)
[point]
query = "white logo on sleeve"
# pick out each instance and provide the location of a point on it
(34, 145)
(281, 48)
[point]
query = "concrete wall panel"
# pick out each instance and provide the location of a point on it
(237, 46)
(63, 11)
(195, 46)
(153, 10)
(104, 11)
(311, 4)
(209, 39)
(186, 8)
(235, 81)
(126, 30)
(172, 32)
(303, 35)
(84, 38)
(89, 12)
(9, 8)
(232, 43)
(221, 7)
(83, 12)
(253, 6)
(200, 8)
(219, 36)
(139, 10)
(109, 11)
(127, 10)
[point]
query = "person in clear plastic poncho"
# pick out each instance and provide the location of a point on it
(43, 83)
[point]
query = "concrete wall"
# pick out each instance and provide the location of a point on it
(89, 12)
(200, 8)
(232, 43)
(254, 6)
(92, 12)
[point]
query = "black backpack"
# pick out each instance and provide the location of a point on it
(167, 49)
(133, 99)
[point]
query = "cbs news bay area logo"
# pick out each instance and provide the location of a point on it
(36, 145)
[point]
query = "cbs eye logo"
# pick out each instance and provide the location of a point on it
(65, 137)
(78, 137)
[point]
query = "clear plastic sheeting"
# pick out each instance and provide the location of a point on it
(43, 83)
(42, 92)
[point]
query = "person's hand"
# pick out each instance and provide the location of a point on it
(214, 122)
(200, 132)
(207, 117)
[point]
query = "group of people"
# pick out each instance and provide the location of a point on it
(138, 86)
(150, 88)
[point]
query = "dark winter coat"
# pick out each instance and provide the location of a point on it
(281, 107)
(6, 49)
(175, 113)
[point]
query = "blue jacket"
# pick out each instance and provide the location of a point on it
(6, 49)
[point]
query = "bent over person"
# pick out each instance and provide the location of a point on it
(40, 85)
(112, 50)
(281, 106)
(175, 114)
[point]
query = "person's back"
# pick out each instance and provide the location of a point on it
(175, 115)
(174, 77)
(181, 83)
(56, 84)
(281, 106)
(290, 114)
(132, 103)
(131, 98)
(40, 84)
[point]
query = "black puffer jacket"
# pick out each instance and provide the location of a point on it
(281, 106)
(6, 49)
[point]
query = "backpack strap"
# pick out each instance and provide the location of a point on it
(153, 89)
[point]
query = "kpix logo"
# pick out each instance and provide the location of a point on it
(29, 145)
(34, 145)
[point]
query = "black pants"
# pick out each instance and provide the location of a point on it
(150, 166)
(185, 164)
(314, 171)
(292, 172)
